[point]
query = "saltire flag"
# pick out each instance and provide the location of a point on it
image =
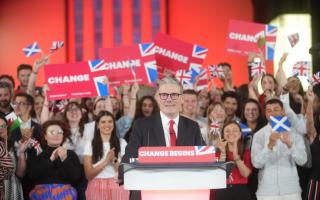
(56, 45)
(302, 68)
(36, 145)
(315, 79)
(257, 68)
(245, 130)
(13, 121)
(280, 123)
(204, 150)
(184, 77)
(216, 71)
(293, 39)
(215, 128)
(31, 49)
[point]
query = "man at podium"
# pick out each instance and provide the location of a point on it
(166, 128)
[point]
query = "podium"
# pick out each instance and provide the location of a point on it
(180, 181)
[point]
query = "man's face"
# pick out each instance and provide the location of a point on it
(230, 105)
(189, 106)
(274, 110)
(23, 76)
(227, 72)
(5, 98)
(169, 99)
(21, 106)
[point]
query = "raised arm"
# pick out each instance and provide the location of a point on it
(33, 77)
(311, 130)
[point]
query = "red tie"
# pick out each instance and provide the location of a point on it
(173, 137)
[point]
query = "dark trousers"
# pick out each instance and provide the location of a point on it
(232, 192)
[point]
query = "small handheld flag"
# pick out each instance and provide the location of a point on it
(257, 68)
(302, 68)
(184, 77)
(56, 45)
(245, 130)
(31, 49)
(13, 121)
(315, 79)
(280, 123)
(293, 39)
(215, 128)
(216, 71)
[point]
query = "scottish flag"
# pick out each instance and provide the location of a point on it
(31, 50)
(280, 123)
(245, 130)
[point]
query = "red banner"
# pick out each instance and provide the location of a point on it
(245, 37)
(177, 154)
(173, 54)
(74, 80)
(124, 65)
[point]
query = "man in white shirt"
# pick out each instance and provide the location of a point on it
(276, 155)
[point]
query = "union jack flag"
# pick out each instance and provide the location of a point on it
(199, 52)
(315, 78)
(280, 123)
(204, 150)
(31, 49)
(301, 68)
(101, 86)
(257, 68)
(293, 39)
(152, 71)
(36, 145)
(197, 70)
(216, 71)
(270, 38)
(96, 65)
(184, 78)
(56, 45)
(147, 49)
(245, 129)
(215, 128)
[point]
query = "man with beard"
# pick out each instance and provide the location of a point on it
(5, 98)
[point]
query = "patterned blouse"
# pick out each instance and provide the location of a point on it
(6, 167)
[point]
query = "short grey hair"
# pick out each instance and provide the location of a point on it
(170, 80)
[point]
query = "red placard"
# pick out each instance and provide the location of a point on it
(124, 65)
(243, 38)
(74, 80)
(177, 154)
(173, 54)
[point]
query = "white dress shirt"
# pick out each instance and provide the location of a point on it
(165, 124)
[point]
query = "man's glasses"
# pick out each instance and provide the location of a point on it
(173, 96)
(55, 132)
(19, 104)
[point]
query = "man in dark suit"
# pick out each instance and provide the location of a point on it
(166, 128)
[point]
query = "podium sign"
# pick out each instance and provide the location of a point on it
(177, 154)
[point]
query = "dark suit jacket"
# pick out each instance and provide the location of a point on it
(149, 132)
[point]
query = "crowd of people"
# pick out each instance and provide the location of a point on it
(73, 149)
